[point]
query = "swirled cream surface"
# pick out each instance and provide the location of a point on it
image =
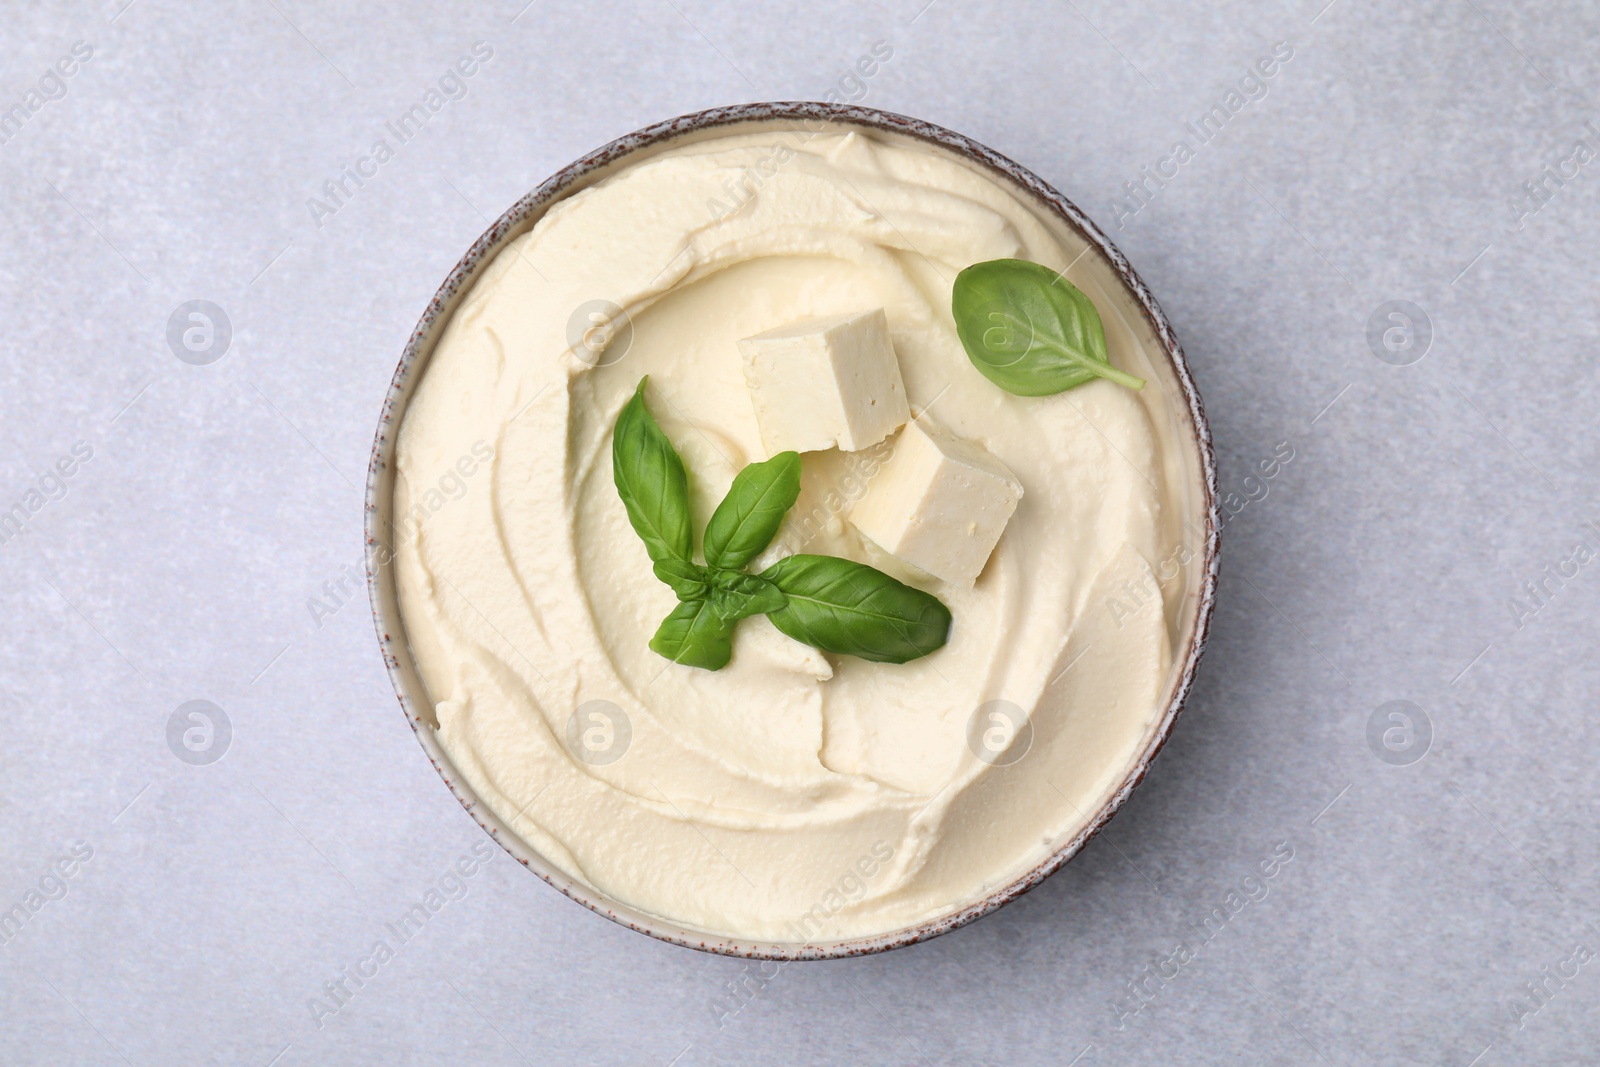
(793, 796)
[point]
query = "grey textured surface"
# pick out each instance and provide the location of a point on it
(1384, 162)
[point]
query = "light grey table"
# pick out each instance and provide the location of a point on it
(1441, 862)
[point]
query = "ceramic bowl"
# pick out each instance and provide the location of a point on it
(1196, 468)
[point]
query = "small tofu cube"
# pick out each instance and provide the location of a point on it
(825, 382)
(939, 502)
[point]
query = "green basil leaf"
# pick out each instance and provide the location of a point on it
(1029, 330)
(736, 595)
(749, 516)
(841, 606)
(689, 580)
(696, 636)
(651, 482)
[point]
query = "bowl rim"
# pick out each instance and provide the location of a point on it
(522, 216)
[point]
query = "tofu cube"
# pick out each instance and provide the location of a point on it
(939, 502)
(825, 382)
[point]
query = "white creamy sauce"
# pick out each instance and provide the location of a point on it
(792, 796)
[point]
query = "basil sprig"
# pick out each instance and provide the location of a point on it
(833, 604)
(1029, 330)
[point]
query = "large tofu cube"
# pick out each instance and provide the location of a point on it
(939, 502)
(825, 382)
